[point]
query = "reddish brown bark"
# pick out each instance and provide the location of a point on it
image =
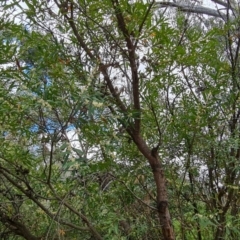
(134, 130)
(160, 181)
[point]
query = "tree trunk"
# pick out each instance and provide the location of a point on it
(220, 232)
(160, 181)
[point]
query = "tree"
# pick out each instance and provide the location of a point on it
(92, 94)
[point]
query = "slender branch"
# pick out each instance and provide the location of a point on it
(220, 3)
(193, 9)
(95, 58)
(31, 196)
(17, 227)
(132, 61)
(157, 123)
(237, 55)
(83, 217)
(76, 33)
(80, 40)
(140, 200)
(143, 21)
(50, 161)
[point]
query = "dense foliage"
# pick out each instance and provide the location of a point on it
(119, 120)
